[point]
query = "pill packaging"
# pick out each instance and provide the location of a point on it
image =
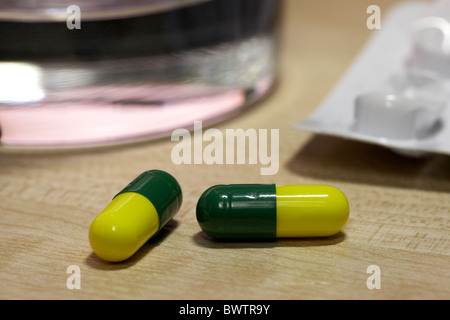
(397, 91)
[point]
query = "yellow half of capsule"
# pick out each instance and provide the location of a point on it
(310, 211)
(123, 227)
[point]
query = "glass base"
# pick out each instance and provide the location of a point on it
(92, 122)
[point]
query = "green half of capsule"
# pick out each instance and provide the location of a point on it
(135, 215)
(262, 211)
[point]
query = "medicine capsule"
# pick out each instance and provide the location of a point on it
(135, 215)
(269, 211)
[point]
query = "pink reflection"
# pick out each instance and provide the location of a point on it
(99, 115)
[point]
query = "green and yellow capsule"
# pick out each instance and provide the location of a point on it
(268, 211)
(135, 215)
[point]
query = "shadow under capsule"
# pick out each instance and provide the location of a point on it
(97, 263)
(203, 240)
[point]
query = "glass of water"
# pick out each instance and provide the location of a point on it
(89, 73)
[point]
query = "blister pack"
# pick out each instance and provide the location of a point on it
(397, 91)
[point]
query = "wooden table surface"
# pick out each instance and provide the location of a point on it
(399, 207)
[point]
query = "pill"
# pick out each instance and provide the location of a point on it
(135, 215)
(269, 211)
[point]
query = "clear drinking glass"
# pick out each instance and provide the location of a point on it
(131, 70)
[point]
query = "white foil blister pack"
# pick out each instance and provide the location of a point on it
(397, 92)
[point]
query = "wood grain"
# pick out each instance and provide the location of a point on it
(399, 216)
